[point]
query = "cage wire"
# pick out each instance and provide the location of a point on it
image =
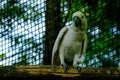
(22, 31)
(28, 29)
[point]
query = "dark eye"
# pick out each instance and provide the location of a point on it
(82, 17)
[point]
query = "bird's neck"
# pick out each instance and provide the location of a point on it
(77, 29)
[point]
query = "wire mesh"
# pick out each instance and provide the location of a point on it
(21, 32)
(28, 29)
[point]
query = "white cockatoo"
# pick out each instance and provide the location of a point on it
(71, 43)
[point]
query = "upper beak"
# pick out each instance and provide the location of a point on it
(77, 21)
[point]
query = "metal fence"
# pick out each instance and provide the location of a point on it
(22, 27)
(28, 29)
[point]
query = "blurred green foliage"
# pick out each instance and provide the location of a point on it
(103, 30)
(14, 10)
(103, 18)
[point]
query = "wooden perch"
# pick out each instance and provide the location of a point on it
(57, 72)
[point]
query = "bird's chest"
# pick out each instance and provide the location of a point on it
(72, 43)
(72, 38)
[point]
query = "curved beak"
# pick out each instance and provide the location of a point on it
(77, 21)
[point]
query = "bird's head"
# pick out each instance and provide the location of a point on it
(79, 20)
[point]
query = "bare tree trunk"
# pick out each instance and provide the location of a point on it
(53, 25)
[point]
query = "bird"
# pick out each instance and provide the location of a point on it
(71, 43)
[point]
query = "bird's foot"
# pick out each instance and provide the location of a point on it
(65, 67)
(78, 68)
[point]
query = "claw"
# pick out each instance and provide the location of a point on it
(65, 67)
(78, 68)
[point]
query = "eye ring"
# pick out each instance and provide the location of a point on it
(82, 17)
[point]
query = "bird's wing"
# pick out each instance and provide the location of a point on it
(84, 45)
(55, 53)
